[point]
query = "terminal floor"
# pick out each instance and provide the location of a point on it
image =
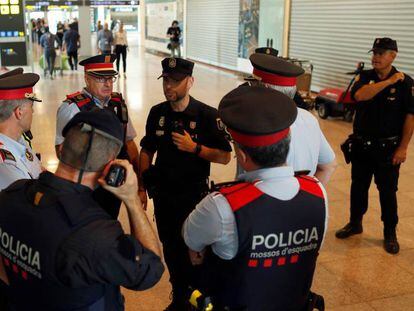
(355, 274)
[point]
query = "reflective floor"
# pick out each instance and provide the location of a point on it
(355, 274)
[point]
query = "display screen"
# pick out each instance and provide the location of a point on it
(12, 33)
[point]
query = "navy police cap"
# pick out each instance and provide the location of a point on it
(256, 116)
(103, 120)
(100, 65)
(268, 51)
(275, 70)
(384, 44)
(176, 68)
(17, 85)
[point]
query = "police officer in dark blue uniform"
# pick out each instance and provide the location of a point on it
(265, 231)
(183, 132)
(383, 127)
(60, 250)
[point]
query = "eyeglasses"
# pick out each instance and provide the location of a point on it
(103, 79)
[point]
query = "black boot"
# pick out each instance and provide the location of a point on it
(350, 229)
(391, 244)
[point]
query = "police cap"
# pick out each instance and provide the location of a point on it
(100, 65)
(17, 85)
(272, 113)
(384, 44)
(275, 70)
(176, 68)
(13, 72)
(268, 51)
(104, 122)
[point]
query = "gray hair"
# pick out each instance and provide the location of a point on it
(7, 106)
(287, 90)
(269, 156)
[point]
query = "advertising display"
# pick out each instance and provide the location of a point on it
(12, 33)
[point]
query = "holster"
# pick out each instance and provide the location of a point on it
(346, 148)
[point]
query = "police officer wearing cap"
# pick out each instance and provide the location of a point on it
(383, 126)
(60, 250)
(259, 238)
(17, 159)
(183, 132)
(98, 94)
(309, 149)
(297, 97)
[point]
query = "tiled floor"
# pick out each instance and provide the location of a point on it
(354, 274)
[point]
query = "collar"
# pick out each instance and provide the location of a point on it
(393, 71)
(266, 174)
(96, 101)
(191, 110)
(18, 148)
(62, 186)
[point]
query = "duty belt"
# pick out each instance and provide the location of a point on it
(377, 142)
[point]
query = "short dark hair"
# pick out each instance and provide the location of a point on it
(269, 156)
(175, 22)
(75, 147)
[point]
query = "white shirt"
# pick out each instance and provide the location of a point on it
(308, 145)
(17, 161)
(67, 111)
(213, 222)
(121, 38)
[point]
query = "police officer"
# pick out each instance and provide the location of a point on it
(60, 250)
(17, 159)
(309, 149)
(265, 232)
(383, 127)
(297, 98)
(98, 94)
(183, 132)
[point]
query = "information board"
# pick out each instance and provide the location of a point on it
(12, 33)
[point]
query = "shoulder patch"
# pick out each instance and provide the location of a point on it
(115, 96)
(78, 98)
(6, 155)
(240, 194)
(310, 185)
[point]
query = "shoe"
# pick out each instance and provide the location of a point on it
(348, 230)
(391, 244)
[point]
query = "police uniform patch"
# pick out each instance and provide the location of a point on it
(29, 155)
(193, 125)
(161, 122)
(172, 63)
(6, 155)
(159, 133)
(267, 51)
(392, 91)
(108, 59)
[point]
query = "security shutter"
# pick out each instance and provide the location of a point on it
(213, 31)
(336, 34)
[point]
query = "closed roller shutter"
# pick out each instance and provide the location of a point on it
(335, 35)
(212, 31)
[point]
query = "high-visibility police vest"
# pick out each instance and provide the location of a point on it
(279, 242)
(33, 225)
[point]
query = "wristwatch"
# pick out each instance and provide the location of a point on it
(197, 149)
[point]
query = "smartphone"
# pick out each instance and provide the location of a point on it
(115, 176)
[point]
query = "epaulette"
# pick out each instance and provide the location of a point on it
(240, 194)
(116, 96)
(78, 98)
(311, 185)
(6, 155)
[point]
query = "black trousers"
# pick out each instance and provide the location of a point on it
(73, 59)
(171, 210)
(121, 50)
(374, 163)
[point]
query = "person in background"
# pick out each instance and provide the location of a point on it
(104, 40)
(121, 47)
(99, 26)
(60, 29)
(174, 33)
(71, 43)
(47, 42)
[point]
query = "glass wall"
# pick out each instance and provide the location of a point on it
(271, 24)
